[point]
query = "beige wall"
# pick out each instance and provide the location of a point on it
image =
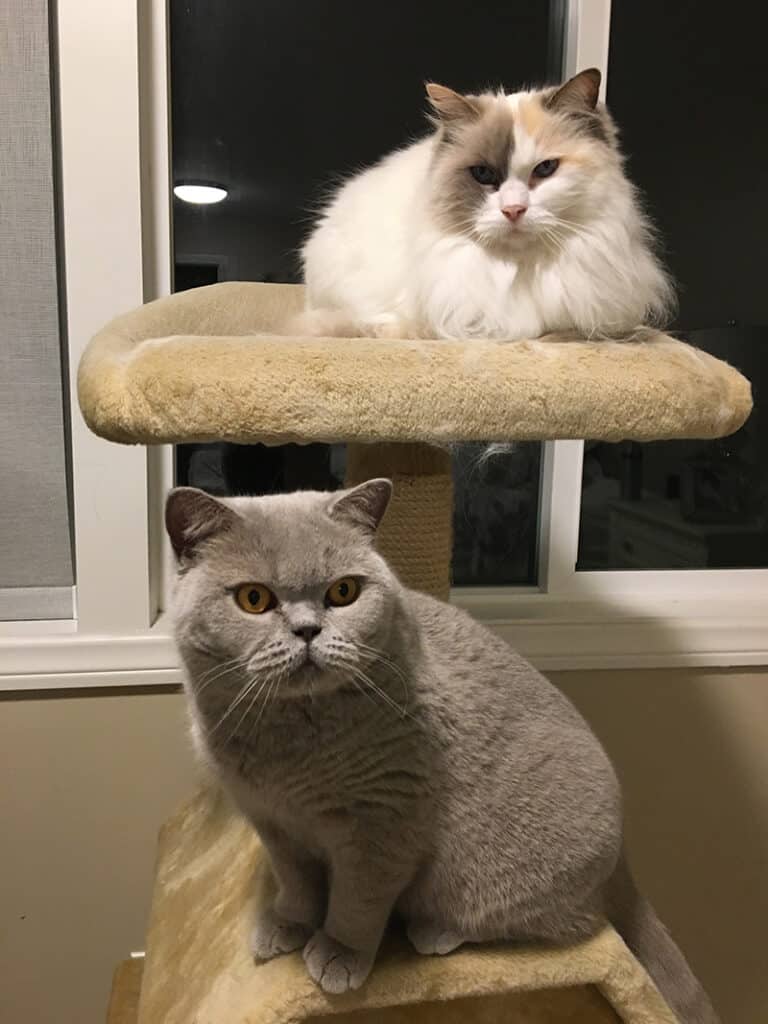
(692, 751)
(85, 783)
(87, 779)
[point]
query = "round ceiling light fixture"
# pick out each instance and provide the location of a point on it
(202, 193)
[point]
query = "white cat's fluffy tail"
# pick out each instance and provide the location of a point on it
(635, 920)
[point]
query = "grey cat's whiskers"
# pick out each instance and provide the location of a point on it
(350, 652)
(239, 661)
(380, 655)
(375, 652)
(268, 684)
(223, 669)
(249, 708)
(359, 686)
(381, 658)
(245, 690)
(241, 695)
(363, 677)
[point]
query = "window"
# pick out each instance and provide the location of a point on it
(301, 99)
(566, 610)
(691, 504)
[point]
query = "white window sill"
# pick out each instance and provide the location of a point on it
(555, 634)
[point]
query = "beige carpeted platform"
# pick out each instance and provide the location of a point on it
(198, 968)
(197, 366)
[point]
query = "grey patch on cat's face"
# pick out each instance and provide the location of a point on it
(488, 139)
(297, 545)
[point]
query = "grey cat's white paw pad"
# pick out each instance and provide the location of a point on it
(272, 936)
(431, 940)
(335, 968)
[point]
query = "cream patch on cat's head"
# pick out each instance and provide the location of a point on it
(515, 172)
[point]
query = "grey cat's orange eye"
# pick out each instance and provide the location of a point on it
(343, 592)
(255, 598)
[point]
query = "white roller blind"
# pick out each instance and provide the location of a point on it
(36, 564)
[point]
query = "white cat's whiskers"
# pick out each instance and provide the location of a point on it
(552, 241)
(561, 222)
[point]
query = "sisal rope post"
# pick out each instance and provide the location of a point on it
(416, 536)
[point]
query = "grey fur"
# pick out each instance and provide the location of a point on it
(418, 765)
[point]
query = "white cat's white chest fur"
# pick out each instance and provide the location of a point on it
(460, 291)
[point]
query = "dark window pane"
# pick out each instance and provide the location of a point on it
(688, 115)
(495, 515)
(276, 101)
(194, 275)
(495, 510)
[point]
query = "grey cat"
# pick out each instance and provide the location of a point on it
(394, 755)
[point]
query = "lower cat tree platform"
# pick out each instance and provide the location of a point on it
(211, 870)
(209, 364)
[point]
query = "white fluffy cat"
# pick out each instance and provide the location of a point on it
(513, 219)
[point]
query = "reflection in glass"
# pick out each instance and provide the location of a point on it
(689, 504)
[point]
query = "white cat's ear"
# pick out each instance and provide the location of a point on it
(363, 506)
(451, 106)
(192, 516)
(580, 92)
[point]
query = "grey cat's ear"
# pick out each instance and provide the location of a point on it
(192, 516)
(364, 506)
(451, 106)
(579, 93)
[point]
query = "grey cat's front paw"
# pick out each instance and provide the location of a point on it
(432, 940)
(273, 935)
(335, 968)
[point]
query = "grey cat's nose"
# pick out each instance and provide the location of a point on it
(307, 633)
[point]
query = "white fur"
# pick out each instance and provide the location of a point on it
(378, 257)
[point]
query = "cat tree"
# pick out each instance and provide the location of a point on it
(203, 366)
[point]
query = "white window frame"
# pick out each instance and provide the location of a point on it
(115, 176)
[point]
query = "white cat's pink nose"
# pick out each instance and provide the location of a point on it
(513, 213)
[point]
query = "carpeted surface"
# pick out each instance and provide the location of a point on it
(202, 365)
(198, 967)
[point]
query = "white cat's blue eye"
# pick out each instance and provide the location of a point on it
(545, 169)
(484, 175)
